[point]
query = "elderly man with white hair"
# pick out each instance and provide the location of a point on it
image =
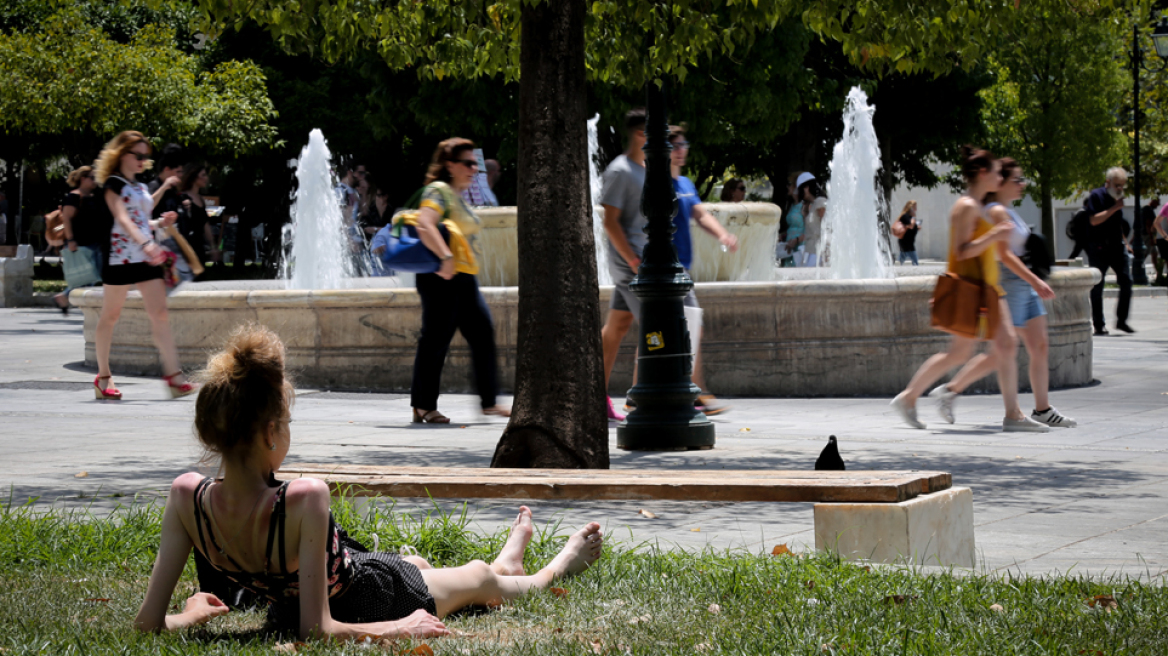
(1106, 247)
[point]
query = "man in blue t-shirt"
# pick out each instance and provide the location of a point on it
(1105, 247)
(689, 208)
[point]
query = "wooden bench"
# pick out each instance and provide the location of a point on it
(883, 516)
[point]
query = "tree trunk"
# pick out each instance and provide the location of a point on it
(558, 418)
(1047, 203)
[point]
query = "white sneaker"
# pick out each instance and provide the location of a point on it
(945, 400)
(1051, 417)
(906, 412)
(1023, 425)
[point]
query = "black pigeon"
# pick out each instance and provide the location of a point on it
(829, 459)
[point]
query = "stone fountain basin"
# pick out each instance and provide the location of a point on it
(780, 338)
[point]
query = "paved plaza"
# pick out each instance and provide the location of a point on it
(1093, 499)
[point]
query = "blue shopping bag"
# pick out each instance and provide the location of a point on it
(82, 268)
(404, 251)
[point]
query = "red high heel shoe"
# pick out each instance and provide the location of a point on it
(107, 394)
(181, 389)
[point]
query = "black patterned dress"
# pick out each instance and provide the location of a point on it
(362, 586)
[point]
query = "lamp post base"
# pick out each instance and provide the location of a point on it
(665, 419)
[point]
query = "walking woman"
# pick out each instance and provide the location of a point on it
(1024, 295)
(134, 259)
(814, 200)
(973, 255)
(451, 298)
(789, 253)
(84, 234)
(193, 222)
(316, 580)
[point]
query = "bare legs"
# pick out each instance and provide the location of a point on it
(154, 300)
(960, 348)
(480, 584)
(616, 326)
(1034, 336)
(1003, 357)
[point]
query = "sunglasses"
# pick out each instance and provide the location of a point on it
(681, 144)
(467, 162)
(139, 156)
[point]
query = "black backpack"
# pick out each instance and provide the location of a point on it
(1078, 225)
(1037, 257)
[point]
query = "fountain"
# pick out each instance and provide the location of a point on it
(851, 244)
(854, 331)
(320, 256)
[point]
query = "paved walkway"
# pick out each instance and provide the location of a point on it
(1091, 499)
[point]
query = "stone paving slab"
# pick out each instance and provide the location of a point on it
(1093, 499)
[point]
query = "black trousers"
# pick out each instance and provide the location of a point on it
(448, 305)
(1116, 260)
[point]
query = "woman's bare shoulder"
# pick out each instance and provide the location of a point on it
(182, 490)
(308, 493)
(999, 214)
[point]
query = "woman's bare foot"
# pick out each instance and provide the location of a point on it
(582, 550)
(510, 560)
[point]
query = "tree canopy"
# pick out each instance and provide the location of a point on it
(82, 73)
(1054, 106)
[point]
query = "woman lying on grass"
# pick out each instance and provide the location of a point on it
(280, 542)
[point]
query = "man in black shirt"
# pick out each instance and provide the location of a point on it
(1106, 247)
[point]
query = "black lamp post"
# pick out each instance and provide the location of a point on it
(1139, 250)
(665, 418)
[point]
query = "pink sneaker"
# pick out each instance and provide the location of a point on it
(612, 413)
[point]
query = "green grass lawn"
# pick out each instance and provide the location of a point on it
(51, 286)
(71, 584)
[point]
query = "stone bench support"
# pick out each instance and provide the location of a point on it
(931, 529)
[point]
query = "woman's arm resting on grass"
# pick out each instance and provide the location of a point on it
(168, 567)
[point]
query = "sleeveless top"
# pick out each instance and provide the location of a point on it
(1019, 234)
(984, 267)
(124, 248)
(795, 221)
(282, 584)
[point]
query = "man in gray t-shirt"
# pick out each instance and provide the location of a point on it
(624, 180)
(624, 224)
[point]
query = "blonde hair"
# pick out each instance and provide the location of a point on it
(74, 179)
(244, 388)
(911, 205)
(108, 161)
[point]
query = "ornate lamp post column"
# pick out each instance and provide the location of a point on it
(665, 418)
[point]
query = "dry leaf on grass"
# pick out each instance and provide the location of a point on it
(780, 550)
(289, 647)
(641, 619)
(714, 609)
(646, 514)
(99, 600)
(559, 592)
(1106, 602)
(83, 474)
(597, 648)
(704, 646)
(867, 568)
(997, 608)
(421, 650)
(900, 599)
(810, 585)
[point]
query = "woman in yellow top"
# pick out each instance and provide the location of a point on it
(973, 254)
(451, 298)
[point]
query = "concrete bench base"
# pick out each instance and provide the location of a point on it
(931, 529)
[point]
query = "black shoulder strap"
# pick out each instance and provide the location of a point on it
(199, 518)
(276, 526)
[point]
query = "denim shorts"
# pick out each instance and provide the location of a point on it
(1023, 300)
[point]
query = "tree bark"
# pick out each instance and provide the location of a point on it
(558, 418)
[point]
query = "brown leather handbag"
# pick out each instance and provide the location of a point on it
(965, 307)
